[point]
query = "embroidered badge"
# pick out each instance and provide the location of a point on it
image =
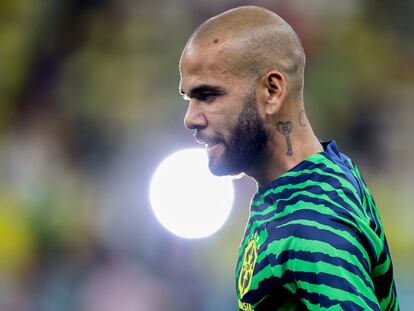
(249, 261)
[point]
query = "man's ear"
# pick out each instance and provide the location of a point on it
(274, 91)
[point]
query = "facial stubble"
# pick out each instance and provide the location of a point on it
(247, 142)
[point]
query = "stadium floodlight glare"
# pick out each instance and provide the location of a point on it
(186, 198)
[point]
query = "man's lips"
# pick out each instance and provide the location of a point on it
(212, 147)
(215, 149)
(208, 142)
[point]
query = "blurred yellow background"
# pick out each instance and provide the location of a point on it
(89, 106)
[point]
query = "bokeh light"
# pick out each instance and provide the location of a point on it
(186, 198)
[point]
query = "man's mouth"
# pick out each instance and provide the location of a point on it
(215, 150)
(212, 146)
(208, 142)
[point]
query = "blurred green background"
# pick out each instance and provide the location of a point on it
(89, 106)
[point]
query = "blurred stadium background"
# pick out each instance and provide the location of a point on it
(89, 107)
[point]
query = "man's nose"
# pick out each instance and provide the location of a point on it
(194, 118)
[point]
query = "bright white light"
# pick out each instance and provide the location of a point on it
(186, 198)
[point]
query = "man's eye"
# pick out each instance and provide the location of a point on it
(206, 97)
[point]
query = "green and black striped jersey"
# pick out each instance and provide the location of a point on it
(314, 241)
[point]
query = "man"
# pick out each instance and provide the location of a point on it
(314, 240)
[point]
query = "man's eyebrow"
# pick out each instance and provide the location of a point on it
(204, 88)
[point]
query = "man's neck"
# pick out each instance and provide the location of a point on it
(284, 151)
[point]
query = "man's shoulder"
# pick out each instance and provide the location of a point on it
(319, 181)
(323, 188)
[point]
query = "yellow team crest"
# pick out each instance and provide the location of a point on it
(246, 272)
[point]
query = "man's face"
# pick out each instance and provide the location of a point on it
(223, 112)
(247, 140)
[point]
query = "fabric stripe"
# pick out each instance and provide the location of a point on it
(319, 240)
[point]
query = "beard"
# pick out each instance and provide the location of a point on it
(246, 144)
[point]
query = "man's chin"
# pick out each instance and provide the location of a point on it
(221, 169)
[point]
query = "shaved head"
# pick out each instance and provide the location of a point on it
(254, 41)
(242, 73)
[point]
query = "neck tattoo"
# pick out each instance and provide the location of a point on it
(286, 128)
